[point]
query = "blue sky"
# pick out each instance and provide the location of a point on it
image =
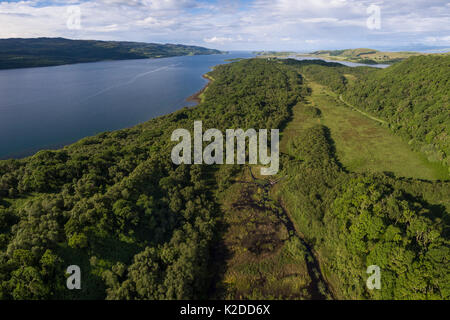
(300, 25)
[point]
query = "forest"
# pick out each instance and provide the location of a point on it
(141, 227)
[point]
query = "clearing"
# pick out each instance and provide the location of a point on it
(362, 142)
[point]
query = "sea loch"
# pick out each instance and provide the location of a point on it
(53, 106)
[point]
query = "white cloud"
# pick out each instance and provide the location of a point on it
(220, 40)
(228, 24)
(445, 40)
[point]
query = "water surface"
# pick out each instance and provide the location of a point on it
(53, 106)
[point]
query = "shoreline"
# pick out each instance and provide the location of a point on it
(62, 64)
(197, 97)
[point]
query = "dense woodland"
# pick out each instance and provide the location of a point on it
(41, 52)
(141, 227)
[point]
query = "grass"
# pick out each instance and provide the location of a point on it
(263, 260)
(362, 144)
(200, 97)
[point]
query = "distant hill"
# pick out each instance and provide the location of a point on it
(359, 55)
(364, 55)
(274, 53)
(39, 52)
(347, 52)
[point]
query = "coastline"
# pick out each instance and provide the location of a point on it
(197, 97)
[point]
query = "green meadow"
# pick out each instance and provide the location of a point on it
(363, 144)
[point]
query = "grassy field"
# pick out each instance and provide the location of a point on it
(362, 144)
(263, 258)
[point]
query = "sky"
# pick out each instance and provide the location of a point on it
(291, 25)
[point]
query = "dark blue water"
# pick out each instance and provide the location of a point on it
(53, 106)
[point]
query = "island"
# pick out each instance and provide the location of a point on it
(43, 52)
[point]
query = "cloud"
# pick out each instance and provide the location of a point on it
(217, 39)
(235, 24)
(445, 40)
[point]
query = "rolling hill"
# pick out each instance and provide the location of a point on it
(40, 52)
(364, 55)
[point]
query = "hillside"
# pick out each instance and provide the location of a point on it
(360, 55)
(39, 52)
(141, 227)
(364, 55)
(414, 97)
